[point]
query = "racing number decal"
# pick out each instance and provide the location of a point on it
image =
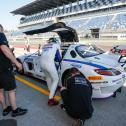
(95, 78)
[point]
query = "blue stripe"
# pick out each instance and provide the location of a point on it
(47, 47)
(87, 63)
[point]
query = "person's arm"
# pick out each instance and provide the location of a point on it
(59, 49)
(63, 92)
(58, 57)
(8, 53)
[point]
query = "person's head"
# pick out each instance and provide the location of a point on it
(52, 40)
(74, 71)
(1, 28)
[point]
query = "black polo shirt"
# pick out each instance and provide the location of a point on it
(77, 97)
(5, 63)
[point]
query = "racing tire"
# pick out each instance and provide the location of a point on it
(65, 75)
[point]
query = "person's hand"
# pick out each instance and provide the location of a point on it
(63, 88)
(18, 65)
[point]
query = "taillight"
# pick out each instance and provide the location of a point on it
(108, 72)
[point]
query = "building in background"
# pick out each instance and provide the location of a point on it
(109, 16)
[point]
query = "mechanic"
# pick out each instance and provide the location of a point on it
(27, 45)
(50, 54)
(77, 97)
(7, 80)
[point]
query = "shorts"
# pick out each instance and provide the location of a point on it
(7, 80)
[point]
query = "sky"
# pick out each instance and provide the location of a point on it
(7, 19)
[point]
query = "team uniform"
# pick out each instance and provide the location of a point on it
(77, 97)
(50, 53)
(7, 80)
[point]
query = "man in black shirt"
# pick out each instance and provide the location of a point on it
(77, 96)
(7, 80)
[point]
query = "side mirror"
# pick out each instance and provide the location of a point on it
(73, 54)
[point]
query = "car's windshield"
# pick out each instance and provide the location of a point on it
(88, 50)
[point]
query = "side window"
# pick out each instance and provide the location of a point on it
(64, 52)
(73, 53)
(30, 65)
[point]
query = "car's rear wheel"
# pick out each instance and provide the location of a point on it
(65, 75)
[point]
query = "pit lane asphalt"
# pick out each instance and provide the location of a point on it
(107, 112)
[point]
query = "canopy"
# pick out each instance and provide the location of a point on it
(40, 5)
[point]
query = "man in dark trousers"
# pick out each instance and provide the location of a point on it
(7, 80)
(77, 97)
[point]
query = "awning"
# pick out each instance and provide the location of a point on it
(40, 5)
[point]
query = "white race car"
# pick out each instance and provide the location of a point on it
(101, 68)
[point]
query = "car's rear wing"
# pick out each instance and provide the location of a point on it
(122, 53)
(122, 60)
(66, 34)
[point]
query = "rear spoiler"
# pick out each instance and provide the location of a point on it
(120, 60)
(122, 53)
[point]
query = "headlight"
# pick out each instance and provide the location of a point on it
(108, 72)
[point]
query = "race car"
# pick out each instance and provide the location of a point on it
(102, 69)
(120, 51)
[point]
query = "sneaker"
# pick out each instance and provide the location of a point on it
(62, 107)
(52, 102)
(7, 110)
(18, 112)
(79, 122)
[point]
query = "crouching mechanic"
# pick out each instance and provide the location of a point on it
(50, 53)
(77, 97)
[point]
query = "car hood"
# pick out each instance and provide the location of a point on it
(106, 59)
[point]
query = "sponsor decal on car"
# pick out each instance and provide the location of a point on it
(28, 59)
(100, 82)
(76, 65)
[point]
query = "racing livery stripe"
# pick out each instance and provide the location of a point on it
(87, 63)
(47, 47)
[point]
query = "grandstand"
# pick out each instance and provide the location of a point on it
(109, 16)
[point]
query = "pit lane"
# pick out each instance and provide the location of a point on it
(107, 112)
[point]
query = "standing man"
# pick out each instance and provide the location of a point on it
(7, 80)
(50, 54)
(77, 97)
(27, 45)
